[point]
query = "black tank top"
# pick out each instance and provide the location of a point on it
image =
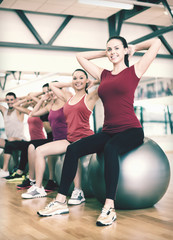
(44, 118)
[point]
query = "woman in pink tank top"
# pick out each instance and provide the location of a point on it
(77, 111)
(35, 125)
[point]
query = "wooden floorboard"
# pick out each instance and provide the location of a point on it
(19, 221)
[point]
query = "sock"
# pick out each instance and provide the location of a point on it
(31, 180)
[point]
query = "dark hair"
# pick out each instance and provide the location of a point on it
(124, 42)
(45, 85)
(81, 70)
(11, 94)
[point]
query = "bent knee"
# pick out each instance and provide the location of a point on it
(40, 152)
(31, 148)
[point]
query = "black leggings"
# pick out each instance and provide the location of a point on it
(112, 145)
(22, 146)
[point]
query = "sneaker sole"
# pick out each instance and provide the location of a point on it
(100, 224)
(73, 203)
(58, 212)
(29, 197)
(4, 176)
(20, 188)
(21, 178)
(14, 180)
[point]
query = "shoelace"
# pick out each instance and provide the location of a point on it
(32, 188)
(75, 194)
(105, 212)
(50, 204)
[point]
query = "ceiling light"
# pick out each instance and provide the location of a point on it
(110, 4)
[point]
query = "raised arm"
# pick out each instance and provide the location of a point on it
(38, 110)
(84, 60)
(2, 108)
(35, 96)
(56, 87)
(22, 108)
(152, 46)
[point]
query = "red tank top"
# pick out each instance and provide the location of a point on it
(117, 95)
(77, 118)
(35, 128)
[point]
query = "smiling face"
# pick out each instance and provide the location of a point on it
(115, 51)
(79, 81)
(10, 100)
(31, 102)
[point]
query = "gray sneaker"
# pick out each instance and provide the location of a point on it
(34, 192)
(77, 197)
(54, 208)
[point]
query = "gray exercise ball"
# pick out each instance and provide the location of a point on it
(143, 180)
(84, 174)
(13, 162)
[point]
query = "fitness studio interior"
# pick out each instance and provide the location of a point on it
(39, 41)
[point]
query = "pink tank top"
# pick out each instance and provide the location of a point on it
(117, 95)
(58, 124)
(35, 128)
(77, 118)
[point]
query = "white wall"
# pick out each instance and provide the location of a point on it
(80, 32)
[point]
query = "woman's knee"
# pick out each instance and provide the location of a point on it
(71, 150)
(31, 148)
(40, 152)
(110, 147)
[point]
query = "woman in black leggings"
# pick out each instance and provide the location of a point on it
(121, 131)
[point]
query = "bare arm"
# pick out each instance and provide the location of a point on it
(55, 87)
(152, 46)
(22, 109)
(84, 60)
(35, 96)
(37, 110)
(92, 83)
(2, 109)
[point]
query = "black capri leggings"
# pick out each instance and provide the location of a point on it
(112, 145)
(22, 146)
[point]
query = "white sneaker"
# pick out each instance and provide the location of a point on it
(77, 197)
(54, 208)
(4, 174)
(107, 217)
(34, 192)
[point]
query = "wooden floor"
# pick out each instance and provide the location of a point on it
(19, 221)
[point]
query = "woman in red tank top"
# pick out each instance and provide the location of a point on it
(77, 111)
(118, 135)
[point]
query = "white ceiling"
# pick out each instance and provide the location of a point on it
(154, 15)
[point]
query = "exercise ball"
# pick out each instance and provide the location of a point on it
(46, 171)
(84, 174)
(13, 162)
(143, 180)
